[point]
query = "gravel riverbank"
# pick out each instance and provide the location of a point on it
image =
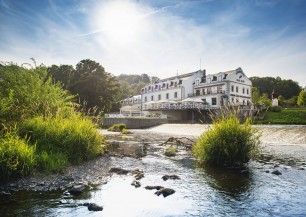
(283, 142)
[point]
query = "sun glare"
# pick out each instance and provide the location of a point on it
(121, 21)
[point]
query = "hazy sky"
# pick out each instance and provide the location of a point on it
(159, 37)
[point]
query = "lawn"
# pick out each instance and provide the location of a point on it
(285, 116)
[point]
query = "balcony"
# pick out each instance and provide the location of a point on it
(175, 106)
(208, 93)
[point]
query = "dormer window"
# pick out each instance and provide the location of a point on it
(180, 82)
(214, 78)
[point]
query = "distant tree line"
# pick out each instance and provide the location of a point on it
(288, 91)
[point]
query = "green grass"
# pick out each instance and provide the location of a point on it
(171, 151)
(117, 128)
(17, 156)
(227, 142)
(74, 136)
(285, 116)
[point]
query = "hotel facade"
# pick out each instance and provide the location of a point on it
(179, 96)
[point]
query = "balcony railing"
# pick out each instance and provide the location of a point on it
(195, 106)
(207, 93)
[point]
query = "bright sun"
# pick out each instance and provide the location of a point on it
(121, 21)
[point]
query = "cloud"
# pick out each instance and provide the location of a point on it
(136, 37)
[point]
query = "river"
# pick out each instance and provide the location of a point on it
(198, 191)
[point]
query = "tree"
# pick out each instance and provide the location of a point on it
(264, 100)
(286, 88)
(301, 101)
(62, 73)
(255, 95)
(280, 100)
(94, 86)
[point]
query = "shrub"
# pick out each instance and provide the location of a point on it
(17, 156)
(73, 135)
(275, 109)
(125, 131)
(171, 151)
(227, 142)
(117, 127)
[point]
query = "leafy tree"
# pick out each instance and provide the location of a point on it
(291, 102)
(255, 95)
(264, 100)
(286, 88)
(301, 101)
(94, 86)
(280, 100)
(62, 73)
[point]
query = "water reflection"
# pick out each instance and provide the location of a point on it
(234, 182)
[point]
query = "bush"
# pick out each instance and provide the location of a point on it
(74, 136)
(275, 109)
(171, 151)
(227, 142)
(117, 127)
(17, 157)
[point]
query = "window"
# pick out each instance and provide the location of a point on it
(175, 84)
(159, 96)
(219, 89)
(243, 90)
(203, 91)
(146, 99)
(237, 89)
(167, 95)
(248, 91)
(213, 101)
(197, 92)
(175, 94)
(232, 88)
(208, 90)
(152, 98)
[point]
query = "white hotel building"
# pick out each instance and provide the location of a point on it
(179, 96)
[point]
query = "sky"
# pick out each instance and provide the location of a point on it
(161, 38)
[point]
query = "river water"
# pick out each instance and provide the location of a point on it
(198, 192)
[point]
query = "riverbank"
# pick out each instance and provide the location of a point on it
(286, 144)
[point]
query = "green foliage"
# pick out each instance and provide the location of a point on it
(286, 116)
(90, 82)
(17, 156)
(292, 102)
(280, 100)
(25, 93)
(171, 151)
(227, 142)
(125, 131)
(73, 136)
(255, 95)
(117, 127)
(51, 161)
(275, 109)
(264, 100)
(301, 101)
(286, 88)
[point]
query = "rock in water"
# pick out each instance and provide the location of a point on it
(157, 187)
(165, 192)
(119, 171)
(136, 184)
(93, 207)
(276, 172)
(174, 177)
(77, 190)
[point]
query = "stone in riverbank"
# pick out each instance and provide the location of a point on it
(276, 172)
(165, 192)
(93, 207)
(119, 171)
(173, 177)
(136, 184)
(77, 190)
